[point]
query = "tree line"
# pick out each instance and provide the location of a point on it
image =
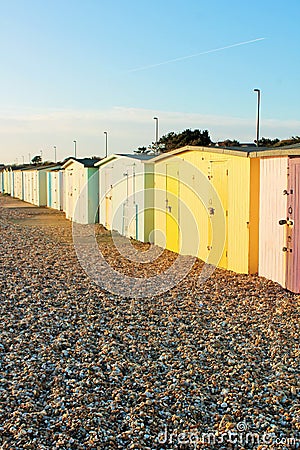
(173, 140)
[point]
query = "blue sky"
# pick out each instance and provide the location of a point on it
(67, 72)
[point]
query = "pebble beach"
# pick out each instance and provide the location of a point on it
(210, 366)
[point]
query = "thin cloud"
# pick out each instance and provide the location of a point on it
(31, 130)
(93, 121)
(182, 58)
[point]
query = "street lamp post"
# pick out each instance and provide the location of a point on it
(54, 153)
(75, 149)
(257, 119)
(156, 133)
(105, 132)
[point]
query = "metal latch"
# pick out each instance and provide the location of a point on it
(286, 222)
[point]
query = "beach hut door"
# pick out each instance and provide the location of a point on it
(54, 188)
(108, 198)
(172, 207)
(292, 248)
(49, 189)
(218, 213)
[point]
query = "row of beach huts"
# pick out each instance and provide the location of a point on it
(237, 208)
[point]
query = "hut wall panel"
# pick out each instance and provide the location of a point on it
(49, 190)
(41, 188)
(62, 187)
(69, 176)
(12, 187)
(7, 181)
(81, 197)
(28, 186)
(18, 184)
(254, 215)
(56, 190)
(146, 218)
(273, 181)
(54, 187)
(160, 205)
(105, 196)
(293, 230)
(93, 195)
(238, 214)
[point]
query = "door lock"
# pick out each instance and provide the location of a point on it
(286, 222)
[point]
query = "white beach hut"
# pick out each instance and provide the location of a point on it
(35, 185)
(18, 182)
(55, 188)
(7, 180)
(2, 179)
(126, 197)
(81, 190)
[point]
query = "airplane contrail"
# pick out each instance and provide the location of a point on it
(195, 54)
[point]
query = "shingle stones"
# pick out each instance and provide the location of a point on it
(82, 368)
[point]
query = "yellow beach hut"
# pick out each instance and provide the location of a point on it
(206, 205)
